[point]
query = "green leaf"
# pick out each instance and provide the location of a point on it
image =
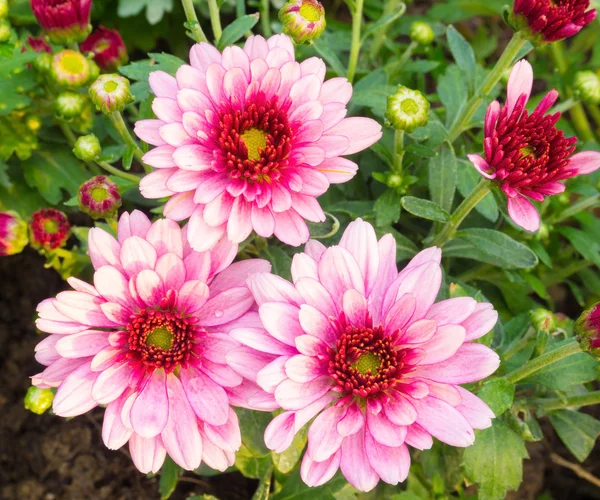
(169, 473)
(52, 171)
(453, 91)
(578, 431)
(280, 261)
(585, 244)
(462, 53)
(466, 180)
(509, 253)
(329, 54)
(128, 157)
(383, 21)
(324, 230)
(541, 252)
(264, 486)
(236, 30)
(13, 90)
(251, 465)
(442, 177)
(252, 427)
(287, 460)
(425, 209)
(21, 198)
(498, 394)
(495, 461)
(17, 138)
(387, 208)
(155, 9)
(295, 489)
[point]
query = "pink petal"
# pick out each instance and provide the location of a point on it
(585, 162)
(399, 410)
(280, 432)
(273, 374)
(443, 344)
(323, 438)
(148, 455)
(304, 266)
(418, 332)
(290, 228)
(227, 436)
(292, 395)
(384, 431)
(360, 240)
(355, 463)
(418, 438)
(225, 306)
(391, 464)
(520, 82)
(208, 400)
(80, 345)
(315, 323)
(339, 271)
(353, 421)
(74, 395)
(355, 308)
(318, 473)
(150, 410)
(148, 131)
(475, 411)
(281, 321)
(480, 322)
(114, 433)
(111, 383)
(444, 422)
(482, 166)
(523, 213)
(134, 224)
(453, 310)
(270, 288)
(201, 236)
(163, 84)
(302, 368)
(364, 132)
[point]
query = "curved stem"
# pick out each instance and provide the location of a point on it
(265, 17)
(355, 47)
(398, 150)
(215, 20)
(116, 118)
(591, 398)
(448, 230)
(119, 173)
(406, 55)
(510, 52)
(192, 19)
(542, 361)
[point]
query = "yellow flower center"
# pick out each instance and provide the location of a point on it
(368, 362)
(409, 107)
(73, 62)
(310, 12)
(110, 86)
(50, 226)
(160, 337)
(99, 194)
(256, 141)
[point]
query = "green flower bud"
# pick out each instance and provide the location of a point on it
(543, 320)
(407, 109)
(587, 84)
(83, 123)
(3, 8)
(422, 33)
(303, 20)
(94, 71)
(87, 147)
(99, 197)
(43, 62)
(110, 93)
(4, 30)
(69, 105)
(38, 400)
(70, 69)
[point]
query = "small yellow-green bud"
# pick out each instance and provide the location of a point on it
(70, 69)
(69, 105)
(38, 400)
(87, 147)
(4, 30)
(110, 93)
(587, 84)
(543, 320)
(303, 20)
(407, 109)
(3, 8)
(43, 62)
(94, 71)
(422, 33)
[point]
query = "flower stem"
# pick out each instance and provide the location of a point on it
(265, 17)
(119, 173)
(591, 398)
(116, 118)
(506, 59)
(594, 110)
(447, 232)
(192, 19)
(406, 55)
(542, 361)
(215, 20)
(379, 38)
(398, 151)
(355, 47)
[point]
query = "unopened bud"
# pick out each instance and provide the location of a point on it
(49, 229)
(69, 105)
(110, 93)
(38, 400)
(587, 329)
(543, 320)
(3, 8)
(587, 84)
(13, 233)
(87, 147)
(43, 62)
(70, 69)
(99, 197)
(422, 33)
(303, 20)
(407, 109)
(4, 30)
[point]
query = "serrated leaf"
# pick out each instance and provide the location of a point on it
(442, 177)
(169, 473)
(251, 465)
(498, 394)
(236, 30)
(387, 208)
(578, 431)
(462, 53)
(17, 138)
(495, 461)
(425, 209)
(510, 253)
(252, 427)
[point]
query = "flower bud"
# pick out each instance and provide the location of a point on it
(68, 105)
(99, 197)
(407, 109)
(3, 8)
(94, 71)
(108, 48)
(84, 123)
(70, 69)
(38, 400)
(422, 33)
(587, 84)
(587, 329)
(38, 44)
(303, 20)
(543, 320)
(49, 229)
(4, 30)
(13, 233)
(110, 93)
(65, 22)
(87, 147)
(43, 63)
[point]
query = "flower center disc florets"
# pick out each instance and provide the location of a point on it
(161, 339)
(365, 361)
(255, 141)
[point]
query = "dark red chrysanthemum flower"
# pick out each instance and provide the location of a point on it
(49, 229)
(107, 45)
(587, 328)
(64, 21)
(553, 20)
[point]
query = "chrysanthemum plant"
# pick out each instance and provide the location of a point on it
(336, 257)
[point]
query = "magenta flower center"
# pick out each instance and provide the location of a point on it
(161, 339)
(365, 361)
(528, 151)
(255, 141)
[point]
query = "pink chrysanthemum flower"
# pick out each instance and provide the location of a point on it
(365, 350)
(148, 340)
(525, 154)
(248, 139)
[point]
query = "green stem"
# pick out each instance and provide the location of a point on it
(265, 17)
(563, 106)
(355, 47)
(68, 133)
(461, 212)
(542, 361)
(398, 150)
(381, 35)
(406, 55)
(119, 173)
(591, 398)
(215, 20)
(116, 118)
(520, 344)
(506, 59)
(192, 19)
